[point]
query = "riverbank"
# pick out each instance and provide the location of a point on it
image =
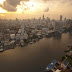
(14, 43)
(65, 65)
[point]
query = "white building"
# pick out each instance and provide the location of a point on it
(22, 29)
(65, 64)
(19, 31)
(45, 30)
(18, 36)
(12, 36)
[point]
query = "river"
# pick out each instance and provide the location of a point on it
(34, 57)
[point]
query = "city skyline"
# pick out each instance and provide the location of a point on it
(25, 9)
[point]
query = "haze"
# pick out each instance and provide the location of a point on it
(25, 9)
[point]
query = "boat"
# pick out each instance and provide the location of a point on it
(70, 45)
(1, 49)
(50, 66)
(31, 42)
(69, 49)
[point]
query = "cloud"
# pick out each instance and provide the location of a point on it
(67, 2)
(10, 5)
(63, 1)
(60, 2)
(46, 10)
(49, 0)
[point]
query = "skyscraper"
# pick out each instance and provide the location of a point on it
(43, 17)
(22, 29)
(58, 27)
(60, 17)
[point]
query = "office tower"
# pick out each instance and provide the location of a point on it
(22, 29)
(58, 27)
(65, 19)
(43, 17)
(60, 17)
(48, 19)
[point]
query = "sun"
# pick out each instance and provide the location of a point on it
(2, 1)
(2, 10)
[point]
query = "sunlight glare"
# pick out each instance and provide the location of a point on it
(2, 10)
(2, 1)
(26, 6)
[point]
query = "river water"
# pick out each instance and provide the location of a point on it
(34, 57)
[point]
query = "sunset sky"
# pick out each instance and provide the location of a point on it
(24, 9)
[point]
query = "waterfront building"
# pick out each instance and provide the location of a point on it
(45, 31)
(25, 35)
(58, 27)
(65, 64)
(12, 36)
(18, 36)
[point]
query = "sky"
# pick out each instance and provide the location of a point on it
(25, 9)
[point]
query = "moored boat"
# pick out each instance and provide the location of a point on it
(70, 45)
(1, 49)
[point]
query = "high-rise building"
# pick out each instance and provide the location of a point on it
(58, 27)
(22, 29)
(65, 19)
(48, 19)
(43, 17)
(60, 17)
